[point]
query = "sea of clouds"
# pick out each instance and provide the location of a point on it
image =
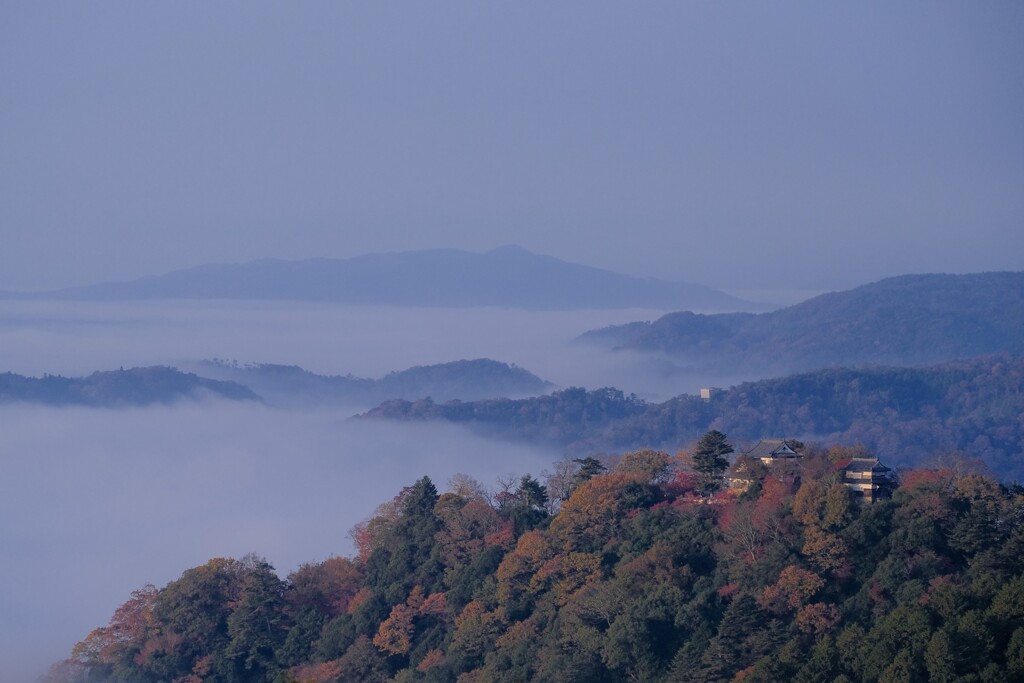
(95, 503)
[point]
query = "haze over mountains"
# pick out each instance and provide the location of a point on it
(118, 388)
(505, 277)
(904, 414)
(902, 320)
(290, 385)
(237, 447)
(279, 385)
(293, 157)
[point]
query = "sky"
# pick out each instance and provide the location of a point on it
(739, 145)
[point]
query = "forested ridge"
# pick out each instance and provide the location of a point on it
(279, 385)
(635, 572)
(465, 379)
(118, 388)
(906, 415)
(902, 320)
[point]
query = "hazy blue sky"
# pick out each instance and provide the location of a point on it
(735, 144)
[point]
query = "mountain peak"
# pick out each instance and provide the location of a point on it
(508, 276)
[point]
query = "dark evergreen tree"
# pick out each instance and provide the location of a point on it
(531, 493)
(410, 554)
(257, 626)
(709, 460)
(731, 649)
(337, 636)
(194, 612)
(529, 510)
(823, 664)
(363, 663)
(588, 467)
(298, 645)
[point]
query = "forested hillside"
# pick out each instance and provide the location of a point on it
(632, 577)
(282, 385)
(903, 320)
(906, 414)
(133, 387)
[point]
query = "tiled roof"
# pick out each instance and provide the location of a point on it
(865, 465)
(768, 448)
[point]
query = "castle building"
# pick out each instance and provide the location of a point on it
(868, 478)
(774, 454)
(774, 451)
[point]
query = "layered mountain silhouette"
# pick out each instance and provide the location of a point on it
(905, 415)
(509, 277)
(901, 320)
(291, 385)
(119, 388)
(280, 385)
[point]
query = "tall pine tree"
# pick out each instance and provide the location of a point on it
(709, 460)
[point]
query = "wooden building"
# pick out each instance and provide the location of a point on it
(775, 451)
(868, 478)
(779, 456)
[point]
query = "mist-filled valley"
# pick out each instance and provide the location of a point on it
(179, 431)
(720, 306)
(99, 501)
(78, 338)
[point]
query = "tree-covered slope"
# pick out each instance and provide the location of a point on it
(562, 418)
(633, 577)
(906, 414)
(133, 387)
(902, 320)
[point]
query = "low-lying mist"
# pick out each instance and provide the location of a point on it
(77, 338)
(95, 503)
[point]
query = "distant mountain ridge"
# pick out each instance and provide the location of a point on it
(476, 379)
(904, 414)
(281, 385)
(119, 388)
(504, 277)
(910, 319)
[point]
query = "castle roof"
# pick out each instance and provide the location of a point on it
(772, 448)
(862, 465)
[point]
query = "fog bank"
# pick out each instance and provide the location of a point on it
(95, 503)
(77, 338)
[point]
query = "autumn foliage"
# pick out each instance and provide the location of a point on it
(641, 573)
